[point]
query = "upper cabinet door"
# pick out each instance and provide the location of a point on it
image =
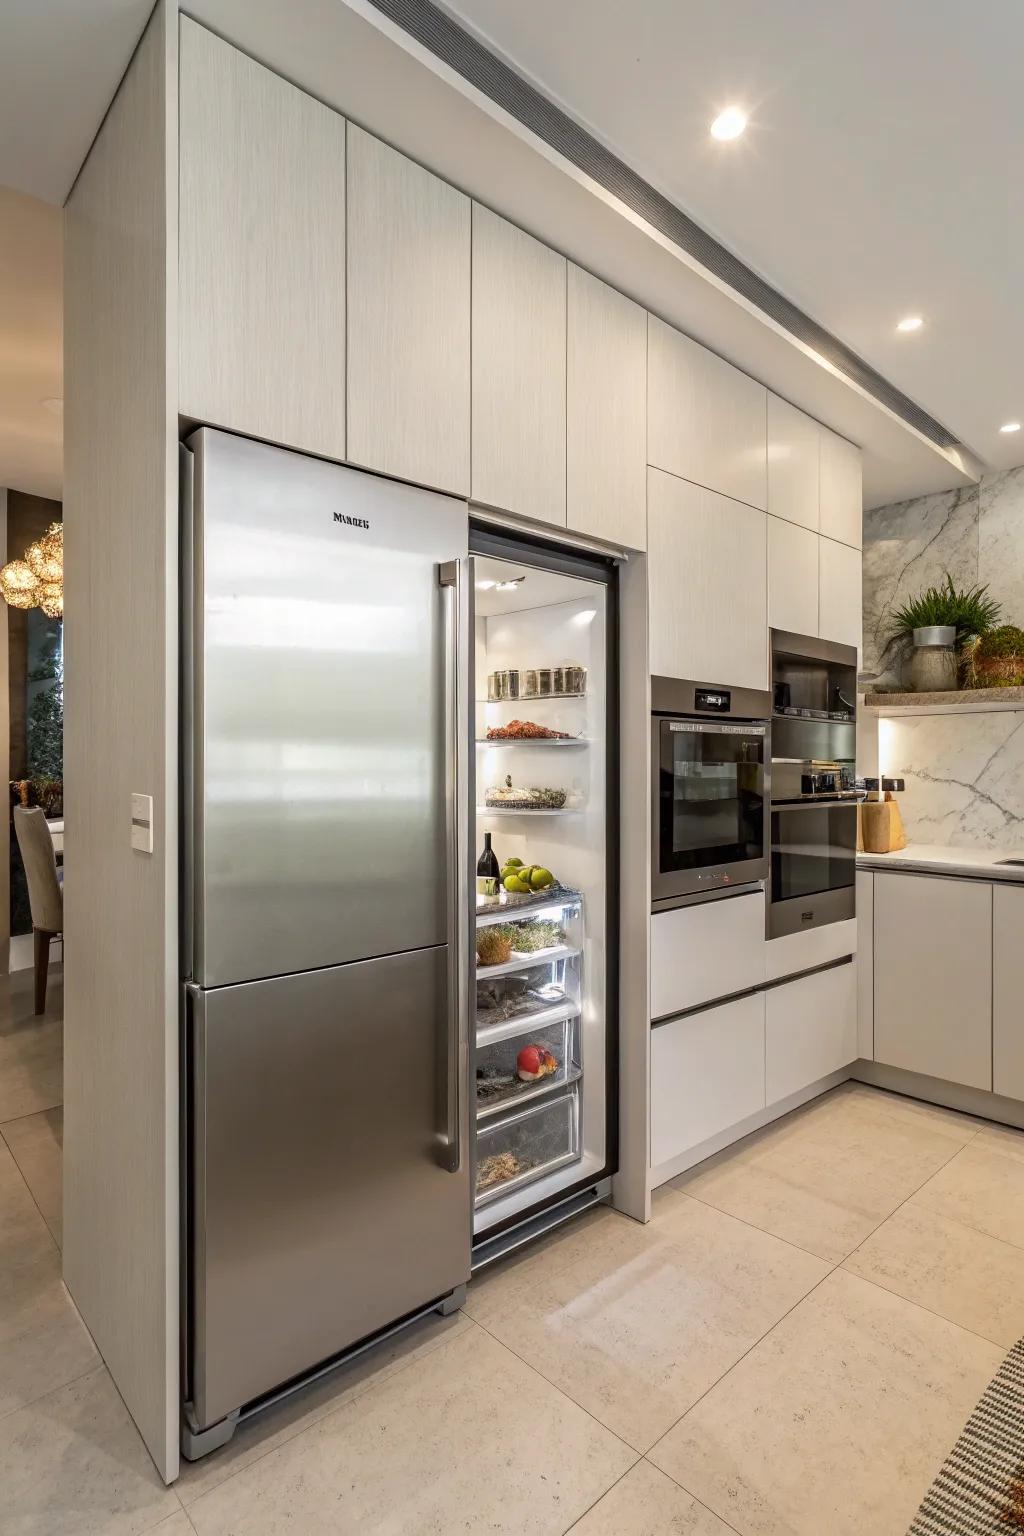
(839, 593)
(518, 371)
(708, 585)
(606, 397)
(706, 421)
(261, 251)
(792, 577)
(408, 334)
(841, 495)
(793, 452)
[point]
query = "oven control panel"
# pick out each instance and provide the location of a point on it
(716, 701)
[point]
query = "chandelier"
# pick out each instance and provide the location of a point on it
(38, 580)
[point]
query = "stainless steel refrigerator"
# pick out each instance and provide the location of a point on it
(327, 856)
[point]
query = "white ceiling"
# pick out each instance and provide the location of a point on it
(882, 173)
(30, 344)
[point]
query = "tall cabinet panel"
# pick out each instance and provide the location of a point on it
(606, 399)
(1007, 990)
(707, 572)
(839, 593)
(794, 442)
(518, 371)
(706, 421)
(261, 255)
(842, 496)
(408, 333)
(792, 577)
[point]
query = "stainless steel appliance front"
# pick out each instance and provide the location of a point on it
(813, 863)
(710, 786)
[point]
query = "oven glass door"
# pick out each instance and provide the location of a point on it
(814, 849)
(711, 795)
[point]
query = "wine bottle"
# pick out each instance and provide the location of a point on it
(488, 870)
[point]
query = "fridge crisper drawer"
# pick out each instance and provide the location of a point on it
(498, 1084)
(526, 1146)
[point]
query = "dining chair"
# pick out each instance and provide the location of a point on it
(45, 893)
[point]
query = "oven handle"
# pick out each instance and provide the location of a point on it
(834, 802)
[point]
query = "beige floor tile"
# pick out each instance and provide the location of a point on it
(1002, 1138)
(31, 1049)
(825, 1177)
(35, 1142)
(492, 1290)
(637, 1329)
(276, 1425)
(983, 1187)
(964, 1275)
(467, 1439)
(838, 1420)
(647, 1503)
(177, 1525)
(865, 1101)
(72, 1464)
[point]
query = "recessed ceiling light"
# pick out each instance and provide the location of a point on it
(53, 404)
(1010, 426)
(910, 323)
(729, 124)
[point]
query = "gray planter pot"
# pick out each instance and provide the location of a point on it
(933, 661)
(936, 634)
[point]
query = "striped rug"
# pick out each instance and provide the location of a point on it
(980, 1488)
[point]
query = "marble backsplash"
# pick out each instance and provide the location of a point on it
(964, 772)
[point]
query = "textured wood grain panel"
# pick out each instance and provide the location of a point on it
(120, 505)
(842, 496)
(408, 318)
(606, 397)
(839, 592)
(794, 449)
(518, 371)
(262, 251)
(792, 577)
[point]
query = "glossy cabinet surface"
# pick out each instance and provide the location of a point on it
(518, 373)
(408, 306)
(792, 577)
(708, 585)
(606, 402)
(706, 421)
(261, 251)
(794, 442)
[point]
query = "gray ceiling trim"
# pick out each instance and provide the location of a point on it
(461, 51)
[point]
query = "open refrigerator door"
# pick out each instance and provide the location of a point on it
(545, 904)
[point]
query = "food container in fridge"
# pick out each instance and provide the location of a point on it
(519, 1062)
(522, 1147)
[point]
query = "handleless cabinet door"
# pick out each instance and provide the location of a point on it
(706, 421)
(261, 251)
(708, 585)
(841, 495)
(866, 964)
(810, 1030)
(839, 593)
(409, 301)
(794, 443)
(792, 577)
(707, 1073)
(518, 371)
(606, 399)
(1008, 990)
(933, 976)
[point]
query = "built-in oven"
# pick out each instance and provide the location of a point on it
(813, 862)
(710, 759)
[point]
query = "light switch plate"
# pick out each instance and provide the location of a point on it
(142, 823)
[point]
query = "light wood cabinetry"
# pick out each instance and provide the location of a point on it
(793, 452)
(1008, 990)
(708, 584)
(606, 403)
(706, 951)
(841, 493)
(792, 577)
(865, 885)
(707, 1074)
(706, 421)
(261, 251)
(840, 614)
(518, 373)
(933, 976)
(408, 318)
(810, 1030)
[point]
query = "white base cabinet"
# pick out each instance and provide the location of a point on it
(933, 976)
(810, 1029)
(707, 1073)
(705, 951)
(865, 965)
(1008, 990)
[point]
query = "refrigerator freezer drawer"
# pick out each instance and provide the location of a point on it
(322, 1204)
(527, 1145)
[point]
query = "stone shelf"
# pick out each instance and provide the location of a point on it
(963, 701)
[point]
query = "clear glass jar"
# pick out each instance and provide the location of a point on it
(544, 681)
(529, 682)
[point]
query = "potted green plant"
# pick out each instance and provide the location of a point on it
(936, 626)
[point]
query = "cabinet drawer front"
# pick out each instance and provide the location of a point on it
(707, 1073)
(702, 952)
(1008, 990)
(803, 951)
(810, 1030)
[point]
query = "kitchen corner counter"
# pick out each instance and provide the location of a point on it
(936, 859)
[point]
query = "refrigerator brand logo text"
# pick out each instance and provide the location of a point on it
(353, 522)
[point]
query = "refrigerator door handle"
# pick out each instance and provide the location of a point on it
(450, 576)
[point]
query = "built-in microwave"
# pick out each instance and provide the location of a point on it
(710, 759)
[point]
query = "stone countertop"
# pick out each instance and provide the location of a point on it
(937, 859)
